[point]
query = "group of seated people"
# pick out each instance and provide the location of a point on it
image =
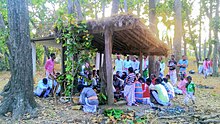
(131, 87)
(153, 90)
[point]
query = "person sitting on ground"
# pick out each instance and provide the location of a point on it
(190, 91)
(160, 94)
(124, 75)
(43, 88)
(182, 84)
(153, 78)
(88, 98)
(146, 91)
(130, 87)
(118, 84)
(171, 92)
(138, 90)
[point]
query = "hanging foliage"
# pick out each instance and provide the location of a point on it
(77, 40)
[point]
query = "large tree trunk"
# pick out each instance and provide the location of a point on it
(103, 8)
(209, 14)
(70, 7)
(115, 7)
(178, 30)
(184, 44)
(215, 53)
(204, 49)
(153, 27)
(125, 6)
(78, 10)
(18, 93)
(200, 32)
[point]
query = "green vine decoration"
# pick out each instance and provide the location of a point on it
(79, 50)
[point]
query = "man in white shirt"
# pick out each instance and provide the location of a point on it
(119, 65)
(162, 67)
(127, 64)
(135, 64)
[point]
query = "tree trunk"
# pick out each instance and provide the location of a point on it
(78, 10)
(18, 93)
(46, 54)
(70, 7)
(205, 49)
(153, 27)
(125, 6)
(178, 30)
(200, 32)
(210, 30)
(215, 53)
(192, 38)
(103, 9)
(184, 44)
(115, 7)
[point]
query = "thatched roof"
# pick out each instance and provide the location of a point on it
(130, 36)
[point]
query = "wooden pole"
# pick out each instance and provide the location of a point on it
(33, 45)
(141, 62)
(108, 67)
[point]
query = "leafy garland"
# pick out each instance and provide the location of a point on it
(79, 48)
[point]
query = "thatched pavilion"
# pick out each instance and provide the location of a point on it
(124, 34)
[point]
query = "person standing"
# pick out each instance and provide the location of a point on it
(172, 70)
(145, 67)
(162, 67)
(135, 64)
(119, 65)
(183, 64)
(49, 67)
(130, 87)
(127, 64)
(205, 67)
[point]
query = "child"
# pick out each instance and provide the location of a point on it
(88, 98)
(138, 91)
(146, 91)
(190, 91)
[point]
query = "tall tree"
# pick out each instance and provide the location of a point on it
(125, 6)
(78, 10)
(153, 27)
(178, 29)
(209, 11)
(200, 31)
(216, 44)
(18, 93)
(115, 7)
(70, 7)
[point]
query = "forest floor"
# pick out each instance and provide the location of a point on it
(206, 109)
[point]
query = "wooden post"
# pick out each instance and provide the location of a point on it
(108, 67)
(33, 45)
(97, 61)
(141, 62)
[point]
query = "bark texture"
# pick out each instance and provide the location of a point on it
(115, 7)
(78, 10)
(153, 27)
(18, 96)
(178, 30)
(215, 53)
